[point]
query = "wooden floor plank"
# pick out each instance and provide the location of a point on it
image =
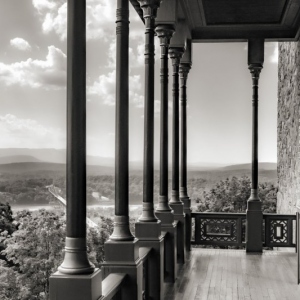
(218, 274)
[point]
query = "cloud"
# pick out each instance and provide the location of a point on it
(105, 87)
(136, 54)
(28, 133)
(42, 5)
(100, 17)
(47, 74)
(20, 44)
(56, 20)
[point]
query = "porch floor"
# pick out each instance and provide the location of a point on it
(210, 274)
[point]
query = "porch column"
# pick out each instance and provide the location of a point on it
(176, 54)
(76, 266)
(148, 227)
(163, 210)
(121, 250)
(184, 69)
(254, 212)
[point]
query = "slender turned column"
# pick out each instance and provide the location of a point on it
(149, 8)
(254, 212)
(163, 210)
(121, 221)
(76, 261)
(255, 70)
(184, 69)
(177, 206)
(148, 227)
(164, 32)
(122, 249)
(175, 54)
(76, 278)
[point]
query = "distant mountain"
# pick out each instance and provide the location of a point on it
(204, 166)
(261, 166)
(58, 156)
(17, 159)
(44, 167)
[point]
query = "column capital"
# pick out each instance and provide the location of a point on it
(176, 55)
(255, 70)
(184, 69)
(164, 33)
(149, 8)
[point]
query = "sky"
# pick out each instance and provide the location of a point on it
(33, 93)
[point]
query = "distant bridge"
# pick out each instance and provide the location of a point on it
(51, 189)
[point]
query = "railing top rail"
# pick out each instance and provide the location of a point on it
(279, 215)
(111, 285)
(218, 214)
(144, 252)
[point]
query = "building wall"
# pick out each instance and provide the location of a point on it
(288, 142)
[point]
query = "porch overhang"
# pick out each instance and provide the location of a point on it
(239, 20)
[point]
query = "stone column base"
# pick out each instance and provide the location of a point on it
(170, 273)
(254, 222)
(123, 257)
(188, 222)
(149, 235)
(76, 287)
(180, 217)
(170, 227)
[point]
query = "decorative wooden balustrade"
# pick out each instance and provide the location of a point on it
(280, 230)
(229, 229)
(219, 229)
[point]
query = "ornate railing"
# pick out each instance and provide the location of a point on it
(219, 229)
(280, 230)
(228, 229)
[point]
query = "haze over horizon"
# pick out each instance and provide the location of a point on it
(58, 156)
(33, 94)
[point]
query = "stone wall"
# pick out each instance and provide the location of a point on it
(288, 146)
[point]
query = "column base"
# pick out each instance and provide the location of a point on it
(254, 222)
(166, 217)
(188, 222)
(170, 227)
(75, 259)
(180, 217)
(149, 235)
(76, 287)
(170, 257)
(123, 257)
(148, 230)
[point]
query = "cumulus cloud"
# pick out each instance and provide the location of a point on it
(100, 16)
(47, 74)
(28, 133)
(20, 44)
(136, 55)
(42, 5)
(105, 86)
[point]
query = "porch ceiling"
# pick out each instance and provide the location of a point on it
(240, 20)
